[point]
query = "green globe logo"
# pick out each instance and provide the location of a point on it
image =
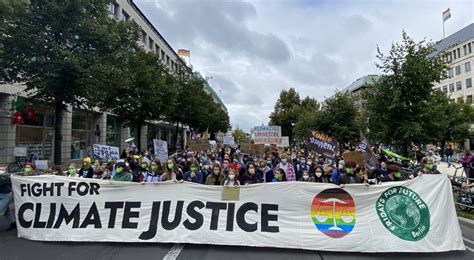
(404, 213)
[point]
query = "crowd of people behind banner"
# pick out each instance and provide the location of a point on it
(229, 167)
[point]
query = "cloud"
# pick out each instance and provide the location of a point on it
(255, 49)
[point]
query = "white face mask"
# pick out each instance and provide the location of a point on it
(251, 171)
(340, 167)
(206, 167)
(216, 171)
(309, 163)
(319, 174)
(305, 177)
(283, 161)
(231, 176)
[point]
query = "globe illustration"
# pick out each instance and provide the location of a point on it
(403, 212)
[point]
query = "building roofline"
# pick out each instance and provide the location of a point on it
(143, 16)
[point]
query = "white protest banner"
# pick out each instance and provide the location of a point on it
(106, 152)
(228, 140)
(161, 150)
(267, 135)
(413, 216)
(285, 142)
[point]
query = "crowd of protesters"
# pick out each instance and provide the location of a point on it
(230, 167)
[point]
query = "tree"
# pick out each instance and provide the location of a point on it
(337, 118)
(144, 93)
(286, 112)
(239, 135)
(60, 49)
(399, 104)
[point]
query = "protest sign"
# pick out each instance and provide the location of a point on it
(41, 164)
(228, 140)
(249, 148)
(413, 216)
(285, 142)
(355, 156)
(161, 149)
(198, 145)
(267, 135)
(106, 152)
(323, 144)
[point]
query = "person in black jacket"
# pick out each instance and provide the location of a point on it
(86, 170)
(349, 177)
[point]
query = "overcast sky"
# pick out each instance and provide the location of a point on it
(254, 49)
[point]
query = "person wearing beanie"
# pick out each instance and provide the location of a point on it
(86, 170)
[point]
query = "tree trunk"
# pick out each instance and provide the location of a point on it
(139, 137)
(58, 137)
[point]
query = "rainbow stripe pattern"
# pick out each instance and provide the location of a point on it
(333, 212)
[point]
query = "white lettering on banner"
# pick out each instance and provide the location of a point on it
(317, 216)
(106, 152)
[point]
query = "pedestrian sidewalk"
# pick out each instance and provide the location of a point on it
(443, 168)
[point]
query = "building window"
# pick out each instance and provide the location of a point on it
(113, 131)
(450, 72)
(459, 52)
(469, 83)
(144, 36)
(163, 57)
(469, 50)
(150, 43)
(451, 87)
(168, 60)
(82, 134)
(454, 54)
(157, 49)
(445, 88)
(469, 99)
(125, 16)
(458, 70)
(467, 67)
(465, 50)
(458, 85)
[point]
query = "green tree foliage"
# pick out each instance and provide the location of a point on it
(286, 112)
(402, 105)
(59, 49)
(336, 118)
(142, 94)
(239, 135)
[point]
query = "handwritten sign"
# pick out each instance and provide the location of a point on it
(267, 135)
(106, 152)
(198, 145)
(229, 140)
(161, 149)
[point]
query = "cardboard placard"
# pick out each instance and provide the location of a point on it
(198, 145)
(231, 193)
(355, 156)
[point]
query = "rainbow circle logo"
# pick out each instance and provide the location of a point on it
(333, 212)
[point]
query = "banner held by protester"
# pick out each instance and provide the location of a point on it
(323, 144)
(409, 216)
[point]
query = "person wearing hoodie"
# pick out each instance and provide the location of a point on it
(122, 173)
(194, 174)
(216, 177)
(265, 171)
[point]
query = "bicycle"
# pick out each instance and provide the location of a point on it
(17, 165)
(463, 198)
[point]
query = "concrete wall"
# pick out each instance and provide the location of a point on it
(7, 130)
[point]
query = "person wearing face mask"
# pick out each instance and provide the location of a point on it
(301, 167)
(205, 170)
(393, 174)
(216, 178)
(264, 171)
(122, 173)
(287, 168)
(172, 172)
(328, 170)
(251, 176)
(143, 170)
(349, 176)
(337, 172)
(269, 163)
(28, 169)
(194, 174)
(382, 171)
(307, 178)
(231, 179)
(321, 160)
(86, 170)
(428, 168)
(72, 170)
(278, 175)
(226, 166)
(156, 172)
(319, 175)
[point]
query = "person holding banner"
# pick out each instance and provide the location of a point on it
(194, 174)
(393, 174)
(278, 175)
(250, 176)
(231, 179)
(319, 175)
(143, 170)
(172, 172)
(72, 170)
(86, 171)
(349, 176)
(307, 178)
(216, 178)
(156, 172)
(122, 173)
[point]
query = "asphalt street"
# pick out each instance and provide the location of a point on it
(12, 247)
